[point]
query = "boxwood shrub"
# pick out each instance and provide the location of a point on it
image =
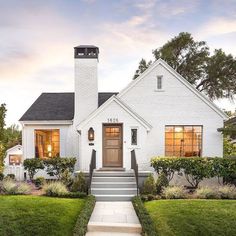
(148, 227)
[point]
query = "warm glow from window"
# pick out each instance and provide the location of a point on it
(183, 141)
(15, 159)
(47, 143)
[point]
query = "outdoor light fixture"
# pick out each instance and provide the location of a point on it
(91, 134)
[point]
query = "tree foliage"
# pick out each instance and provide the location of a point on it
(9, 137)
(214, 75)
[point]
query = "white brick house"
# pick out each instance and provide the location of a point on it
(157, 114)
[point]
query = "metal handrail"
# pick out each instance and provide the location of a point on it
(92, 166)
(134, 166)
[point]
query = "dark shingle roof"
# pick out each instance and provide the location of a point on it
(56, 106)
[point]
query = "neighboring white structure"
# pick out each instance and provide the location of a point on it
(158, 114)
(13, 162)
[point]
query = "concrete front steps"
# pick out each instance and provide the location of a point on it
(113, 185)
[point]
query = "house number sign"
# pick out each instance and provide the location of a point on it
(112, 120)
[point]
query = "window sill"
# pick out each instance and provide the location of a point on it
(159, 90)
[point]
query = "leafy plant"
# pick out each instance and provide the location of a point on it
(207, 193)
(39, 182)
(174, 192)
(1, 176)
(166, 165)
(148, 227)
(11, 176)
(161, 182)
(79, 183)
(196, 169)
(33, 166)
(57, 166)
(149, 186)
(55, 189)
(66, 178)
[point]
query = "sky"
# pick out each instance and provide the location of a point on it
(37, 40)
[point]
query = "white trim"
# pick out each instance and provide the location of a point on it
(181, 79)
(47, 122)
(114, 98)
(19, 147)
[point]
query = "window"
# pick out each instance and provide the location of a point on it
(47, 143)
(183, 140)
(134, 138)
(159, 82)
(14, 159)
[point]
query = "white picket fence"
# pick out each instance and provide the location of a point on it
(17, 170)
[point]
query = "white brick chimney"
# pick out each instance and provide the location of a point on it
(86, 84)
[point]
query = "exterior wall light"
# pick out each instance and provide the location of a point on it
(91, 134)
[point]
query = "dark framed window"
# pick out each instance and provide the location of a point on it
(134, 136)
(47, 143)
(15, 159)
(159, 82)
(183, 140)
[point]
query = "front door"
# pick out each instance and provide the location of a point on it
(112, 145)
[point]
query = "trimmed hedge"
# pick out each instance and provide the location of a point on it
(148, 228)
(195, 169)
(84, 216)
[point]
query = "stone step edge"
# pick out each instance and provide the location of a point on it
(114, 227)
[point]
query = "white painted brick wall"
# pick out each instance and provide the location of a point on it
(86, 88)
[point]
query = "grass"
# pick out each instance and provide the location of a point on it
(193, 217)
(38, 216)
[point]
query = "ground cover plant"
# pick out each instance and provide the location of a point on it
(193, 217)
(38, 215)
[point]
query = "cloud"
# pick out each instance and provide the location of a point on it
(218, 26)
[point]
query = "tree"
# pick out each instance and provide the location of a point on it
(214, 75)
(12, 136)
(9, 137)
(33, 166)
(3, 111)
(143, 65)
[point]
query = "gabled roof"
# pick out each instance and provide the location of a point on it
(181, 79)
(18, 147)
(123, 105)
(56, 106)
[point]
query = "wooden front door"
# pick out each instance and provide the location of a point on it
(112, 145)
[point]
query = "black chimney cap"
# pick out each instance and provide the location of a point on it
(86, 51)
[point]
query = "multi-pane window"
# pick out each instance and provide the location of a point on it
(47, 143)
(159, 82)
(15, 159)
(183, 141)
(112, 131)
(134, 136)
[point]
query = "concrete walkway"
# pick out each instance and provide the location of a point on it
(114, 218)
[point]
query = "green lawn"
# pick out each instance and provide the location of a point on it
(193, 217)
(38, 216)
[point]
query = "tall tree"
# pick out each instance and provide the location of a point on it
(3, 111)
(9, 137)
(214, 75)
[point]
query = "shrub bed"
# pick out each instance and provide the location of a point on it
(195, 169)
(83, 219)
(144, 217)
